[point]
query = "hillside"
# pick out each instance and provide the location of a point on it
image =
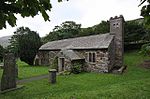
(4, 41)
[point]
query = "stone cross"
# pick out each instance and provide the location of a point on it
(8, 80)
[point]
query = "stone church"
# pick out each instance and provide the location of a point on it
(97, 53)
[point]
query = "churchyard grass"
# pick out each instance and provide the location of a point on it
(133, 84)
(26, 71)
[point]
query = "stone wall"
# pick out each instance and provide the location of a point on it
(67, 64)
(102, 60)
(46, 57)
(111, 50)
(102, 63)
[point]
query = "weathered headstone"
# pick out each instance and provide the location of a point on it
(52, 73)
(8, 80)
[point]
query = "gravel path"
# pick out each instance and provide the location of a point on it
(32, 79)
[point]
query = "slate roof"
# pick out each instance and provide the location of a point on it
(71, 54)
(87, 42)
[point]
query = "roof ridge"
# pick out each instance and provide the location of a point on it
(78, 37)
(86, 42)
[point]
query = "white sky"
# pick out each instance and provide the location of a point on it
(85, 12)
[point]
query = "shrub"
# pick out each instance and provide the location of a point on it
(76, 68)
(145, 49)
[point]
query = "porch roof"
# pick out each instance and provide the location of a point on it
(71, 54)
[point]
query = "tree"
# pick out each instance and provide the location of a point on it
(135, 32)
(102, 27)
(68, 29)
(86, 31)
(145, 11)
(1, 53)
(145, 49)
(25, 44)
(26, 8)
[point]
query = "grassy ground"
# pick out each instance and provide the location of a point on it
(133, 84)
(26, 71)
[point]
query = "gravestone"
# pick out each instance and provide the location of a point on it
(8, 80)
(52, 74)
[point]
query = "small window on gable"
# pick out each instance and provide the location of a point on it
(92, 57)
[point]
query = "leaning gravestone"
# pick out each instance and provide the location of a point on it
(8, 80)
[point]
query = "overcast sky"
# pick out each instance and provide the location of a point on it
(85, 12)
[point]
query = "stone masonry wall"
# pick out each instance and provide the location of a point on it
(102, 60)
(117, 29)
(67, 64)
(101, 65)
(46, 57)
(111, 51)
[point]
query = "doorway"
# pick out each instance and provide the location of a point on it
(61, 64)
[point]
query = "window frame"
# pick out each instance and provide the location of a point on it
(91, 57)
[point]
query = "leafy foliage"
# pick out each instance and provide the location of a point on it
(145, 11)
(77, 67)
(25, 44)
(135, 32)
(70, 29)
(26, 8)
(145, 49)
(102, 27)
(86, 31)
(66, 30)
